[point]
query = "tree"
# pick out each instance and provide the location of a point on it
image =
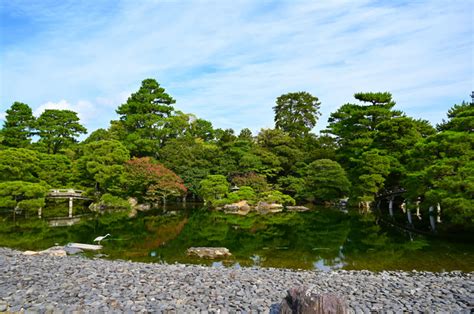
(256, 181)
(143, 117)
(98, 135)
(102, 166)
(213, 188)
(20, 195)
(18, 125)
(18, 164)
(55, 170)
(441, 168)
(190, 158)
(460, 118)
(149, 178)
(275, 196)
(296, 113)
(357, 129)
(58, 128)
(326, 180)
(355, 125)
(246, 135)
(373, 168)
(278, 151)
(200, 128)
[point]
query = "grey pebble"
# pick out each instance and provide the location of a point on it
(81, 285)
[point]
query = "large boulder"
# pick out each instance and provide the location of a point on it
(301, 300)
(209, 252)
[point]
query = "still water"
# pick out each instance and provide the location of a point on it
(323, 239)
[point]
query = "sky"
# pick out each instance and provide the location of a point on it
(228, 61)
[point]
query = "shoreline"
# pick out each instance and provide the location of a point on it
(73, 283)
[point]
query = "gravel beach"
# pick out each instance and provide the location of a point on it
(46, 284)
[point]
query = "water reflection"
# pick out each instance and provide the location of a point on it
(322, 239)
(331, 264)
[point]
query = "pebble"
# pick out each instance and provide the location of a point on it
(48, 284)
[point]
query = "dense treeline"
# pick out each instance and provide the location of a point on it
(155, 152)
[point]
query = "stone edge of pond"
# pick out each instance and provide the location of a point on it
(99, 285)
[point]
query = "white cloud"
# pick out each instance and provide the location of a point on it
(87, 112)
(228, 61)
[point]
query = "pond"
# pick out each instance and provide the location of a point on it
(323, 239)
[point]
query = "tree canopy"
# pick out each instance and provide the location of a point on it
(155, 153)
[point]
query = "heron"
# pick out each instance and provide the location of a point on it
(98, 239)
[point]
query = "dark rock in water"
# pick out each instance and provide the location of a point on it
(302, 301)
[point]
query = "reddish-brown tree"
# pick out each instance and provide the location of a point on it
(151, 180)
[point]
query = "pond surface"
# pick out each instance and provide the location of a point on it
(323, 239)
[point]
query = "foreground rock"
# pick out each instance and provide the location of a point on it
(209, 252)
(303, 300)
(65, 284)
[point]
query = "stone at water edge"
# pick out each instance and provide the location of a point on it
(51, 252)
(302, 301)
(208, 252)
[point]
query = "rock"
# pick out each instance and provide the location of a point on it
(209, 252)
(264, 207)
(53, 251)
(302, 300)
(3, 306)
(72, 250)
(31, 253)
(240, 208)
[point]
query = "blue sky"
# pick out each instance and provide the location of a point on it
(227, 61)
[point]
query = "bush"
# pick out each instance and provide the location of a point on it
(277, 197)
(114, 203)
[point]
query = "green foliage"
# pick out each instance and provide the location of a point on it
(202, 129)
(369, 148)
(245, 193)
(460, 118)
(277, 197)
(191, 159)
(246, 135)
(326, 180)
(256, 181)
(143, 117)
(373, 169)
(296, 113)
(18, 126)
(18, 164)
(58, 128)
(22, 195)
(102, 166)
(213, 188)
(99, 135)
(441, 170)
(55, 170)
(114, 203)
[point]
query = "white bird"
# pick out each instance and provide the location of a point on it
(98, 239)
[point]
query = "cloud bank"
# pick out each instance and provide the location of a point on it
(228, 61)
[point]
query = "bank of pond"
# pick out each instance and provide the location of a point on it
(322, 238)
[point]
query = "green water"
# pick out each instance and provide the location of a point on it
(322, 239)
